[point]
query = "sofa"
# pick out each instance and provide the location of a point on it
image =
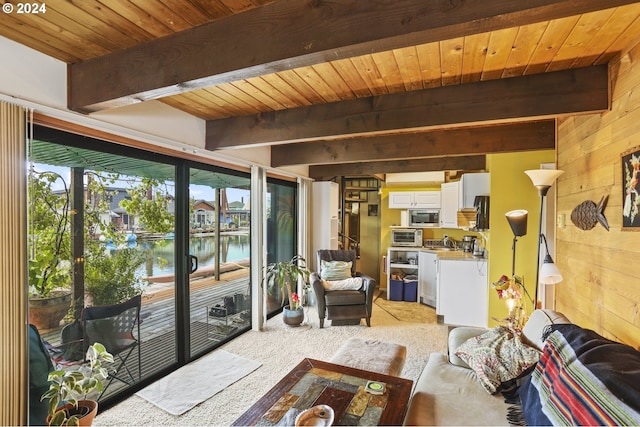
(450, 392)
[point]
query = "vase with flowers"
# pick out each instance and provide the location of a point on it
(285, 275)
(511, 290)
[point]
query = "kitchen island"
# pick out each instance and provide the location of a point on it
(452, 281)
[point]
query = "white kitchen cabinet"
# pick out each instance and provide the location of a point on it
(449, 196)
(414, 200)
(428, 278)
(463, 292)
(472, 185)
(325, 199)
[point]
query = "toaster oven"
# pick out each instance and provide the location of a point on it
(406, 237)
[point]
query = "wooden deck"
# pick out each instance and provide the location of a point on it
(157, 339)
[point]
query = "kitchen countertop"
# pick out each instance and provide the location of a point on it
(443, 253)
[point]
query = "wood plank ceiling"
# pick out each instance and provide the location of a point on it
(347, 86)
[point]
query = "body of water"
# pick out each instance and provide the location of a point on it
(160, 254)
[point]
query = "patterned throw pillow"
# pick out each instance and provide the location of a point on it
(335, 270)
(497, 356)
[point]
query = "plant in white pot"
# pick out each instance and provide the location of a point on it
(69, 390)
(285, 275)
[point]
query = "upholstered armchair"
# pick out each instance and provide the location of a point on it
(342, 304)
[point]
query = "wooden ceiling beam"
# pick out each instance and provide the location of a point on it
(583, 90)
(323, 172)
(505, 138)
(515, 137)
(285, 35)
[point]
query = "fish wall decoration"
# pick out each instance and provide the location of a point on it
(587, 214)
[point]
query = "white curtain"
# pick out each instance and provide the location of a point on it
(14, 359)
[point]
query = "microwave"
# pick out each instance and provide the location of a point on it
(406, 237)
(424, 217)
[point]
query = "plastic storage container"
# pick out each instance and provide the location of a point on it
(410, 292)
(396, 290)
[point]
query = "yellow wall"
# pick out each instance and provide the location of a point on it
(512, 189)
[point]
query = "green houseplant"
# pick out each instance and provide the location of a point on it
(74, 386)
(285, 276)
(49, 250)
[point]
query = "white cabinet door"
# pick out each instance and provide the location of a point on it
(426, 199)
(400, 199)
(463, 292)
(414, 199)
(427, 278)
(449, 205)
(472, 185)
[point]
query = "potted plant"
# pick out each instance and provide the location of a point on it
(72, 387)
(285, 275)
(49, 250)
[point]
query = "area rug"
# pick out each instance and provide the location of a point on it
(196, 382)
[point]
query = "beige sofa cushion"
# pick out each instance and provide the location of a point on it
(449, 395)
(539, 320)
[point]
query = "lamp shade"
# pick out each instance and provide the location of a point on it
(517, 219)
(543, 177)
(549, 273)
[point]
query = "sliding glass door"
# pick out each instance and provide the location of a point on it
(109, 223)
(99, 226)
(281, 231)
(219, 257)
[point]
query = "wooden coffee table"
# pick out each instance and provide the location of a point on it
(314, 382)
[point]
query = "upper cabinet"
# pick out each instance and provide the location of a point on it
(449, 205)
(414, 200)
(472, 185)
(460, 195)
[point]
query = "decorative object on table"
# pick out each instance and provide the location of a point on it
(285, 275)
(375, 387)
(630, 199)
(321, 415)
(511, 289)
(587, 214)
(73, 387)
(542, 179)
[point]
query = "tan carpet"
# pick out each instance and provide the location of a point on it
(405, 311)
(279, 348)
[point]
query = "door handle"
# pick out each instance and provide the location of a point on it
(194, 263)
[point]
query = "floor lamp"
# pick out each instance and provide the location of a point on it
(518, 221)
(542, 179)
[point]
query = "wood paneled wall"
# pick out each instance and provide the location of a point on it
(601, 287)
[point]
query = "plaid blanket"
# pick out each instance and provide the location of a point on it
(583, 379)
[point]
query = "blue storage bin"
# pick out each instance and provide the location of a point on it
(395, 290)
(411, 291)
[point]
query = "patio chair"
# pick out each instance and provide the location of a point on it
(112, 326)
